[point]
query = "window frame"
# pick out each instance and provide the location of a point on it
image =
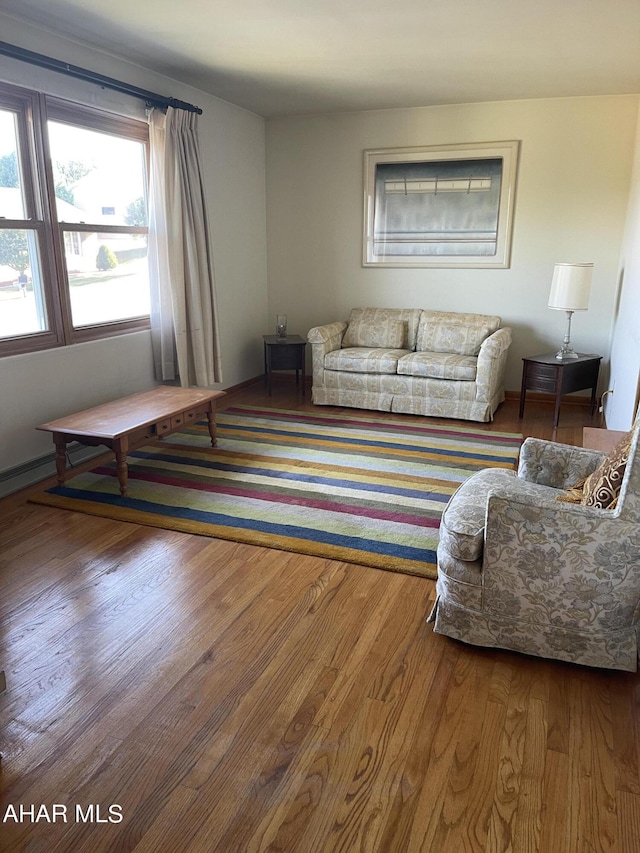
(33, 111)
(28, 106)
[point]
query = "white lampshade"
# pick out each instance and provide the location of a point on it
(570, 287)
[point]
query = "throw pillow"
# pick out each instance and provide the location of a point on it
(389, 334)
(601, 489)
(450, 336)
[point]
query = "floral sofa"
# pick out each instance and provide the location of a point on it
(522, 566)
(419, 362)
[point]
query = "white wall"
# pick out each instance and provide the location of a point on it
(571, 199)
(620, 407)
(38, 387)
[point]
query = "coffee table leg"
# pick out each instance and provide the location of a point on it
(61, 456)
(120, 449)
(211, 424)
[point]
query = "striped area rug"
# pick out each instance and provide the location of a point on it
(348, 487)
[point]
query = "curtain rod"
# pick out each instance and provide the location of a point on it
(151, 98)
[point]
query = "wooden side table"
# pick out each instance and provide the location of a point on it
(559, 376)
(284, 354)
(605, 440)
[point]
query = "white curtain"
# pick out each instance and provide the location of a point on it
(184, 328)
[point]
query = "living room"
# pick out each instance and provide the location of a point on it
(285, 206)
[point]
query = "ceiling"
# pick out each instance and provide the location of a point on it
(285, 57)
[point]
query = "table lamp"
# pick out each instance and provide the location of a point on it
(570, 289)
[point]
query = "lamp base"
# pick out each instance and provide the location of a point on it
(566, 352)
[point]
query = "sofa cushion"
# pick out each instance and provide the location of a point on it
(463, 520)
(389, 333)
(364, 359)
(439, 365)
(463, 334)
(377, 317)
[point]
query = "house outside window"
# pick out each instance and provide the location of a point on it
(73, 223)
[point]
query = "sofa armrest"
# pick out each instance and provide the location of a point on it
(557, 465)
(538, 501)
(329, 336)
(324, 339)
(495, 344)
(492, 363)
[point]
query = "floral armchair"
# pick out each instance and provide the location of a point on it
(519, 569)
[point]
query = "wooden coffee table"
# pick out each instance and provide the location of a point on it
(128, 423)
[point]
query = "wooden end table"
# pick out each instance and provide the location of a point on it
(598, 438)
(128, 423)
(284, 354)
(559, 376)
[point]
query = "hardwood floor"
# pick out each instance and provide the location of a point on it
(168, 692)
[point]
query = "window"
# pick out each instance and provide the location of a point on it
(73, 223)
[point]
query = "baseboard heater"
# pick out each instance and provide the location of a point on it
(35, 470)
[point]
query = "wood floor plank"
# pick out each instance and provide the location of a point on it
(559, 709)
(557, 805)
(244, 707)
(407, 815)
(395, 701)
(394, 742)
(628, 814)
(115, 674)
(625, 711)
(304, 644)
(593, 818)
(289, 734)
(471, 779)
(478, 818)
(531, 793)
(503, 819)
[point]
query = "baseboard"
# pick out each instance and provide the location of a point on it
(540, 397)
(242, 386)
